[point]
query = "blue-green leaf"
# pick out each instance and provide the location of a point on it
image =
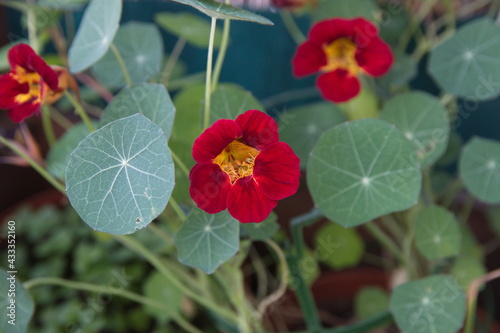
(206, 241)
(15, 303)
(120, 177)
(231, 100)
(361, 170)
(141, 48)
(150, 99)
(95, 34)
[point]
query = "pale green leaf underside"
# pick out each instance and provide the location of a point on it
(230, 100)
(95, 34)
(361, 170)
(141, 47)
(301, 127)
(220, 10)
(58, 156)
(435, 304)
(193, 28)
(24, 306)
(120, 177)
(206, 241)
(479, 167)
(150, 99)
(468, 64)
(422, 120)
(437, 233)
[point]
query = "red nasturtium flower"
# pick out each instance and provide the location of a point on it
(342, 49)
(28, 83)
(242, 166)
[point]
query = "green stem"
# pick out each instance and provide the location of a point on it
(108, 290)
(47, 126)
(222, 53)
(126, 75)
(414, 24)
(32, 31)
(172, 60)
(160, 233)
(208, 78)
(368, 325)
(140, 249)
(48, 177)
(179, 163)
(178, 210)
(60, 119)
(292, 27)
(79, 109)
(306, 300)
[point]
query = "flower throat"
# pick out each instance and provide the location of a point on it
(237, 160)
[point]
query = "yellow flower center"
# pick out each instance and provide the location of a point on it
(237, 160)
(33, 80)
(340, 54)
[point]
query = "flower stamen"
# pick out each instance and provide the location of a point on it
(237, 160)
(340, 54)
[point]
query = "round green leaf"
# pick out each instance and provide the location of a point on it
(437, 233)
(263, 230)
(58, 156)
(479, 167)
(371, 301)
(423, 121)
(230, 100)
(302, 126)
(16, 304)
(338, 247)
(120, 177)
(220, 10)
(150, 99)
(193, 28)
(95, 34)
(361, 170)
(142, 56)
(466, 269)
(345, 8)
(467, 64)
(435, 304)
(206, 241)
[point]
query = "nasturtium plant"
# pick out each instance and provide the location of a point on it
(119, 178)
(17, 304)
(361, 170)
(229, 101)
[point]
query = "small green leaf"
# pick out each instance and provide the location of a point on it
(58, 156)
(479, 167)
(206, 241)
(120, 177)
(467, 268)
(301, 127)
(150, 99)
(193, 28)
(371, 301)
(403, 70)
(435, 304)
(345, 8)
(437, 233)
(230, 100)
(338, 247)
(361, 170)
(263, 230)
(16, 304)
(141, 47)
(220, 10)
(157, 288)
(467, 64)
(95, 34)
(423, 121)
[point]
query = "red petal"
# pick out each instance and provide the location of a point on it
(209, 187)
(9, 89)
(247, 203)
(308, 59)
(338, 86)
(364, 32)
(327, 31)
(214, 139)
(277, 171)
(259, 129)
(23, 55)
(376, 58)
(23, 111)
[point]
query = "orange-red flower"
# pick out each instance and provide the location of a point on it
(26, 86)
(342, 49)
(243, 167)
